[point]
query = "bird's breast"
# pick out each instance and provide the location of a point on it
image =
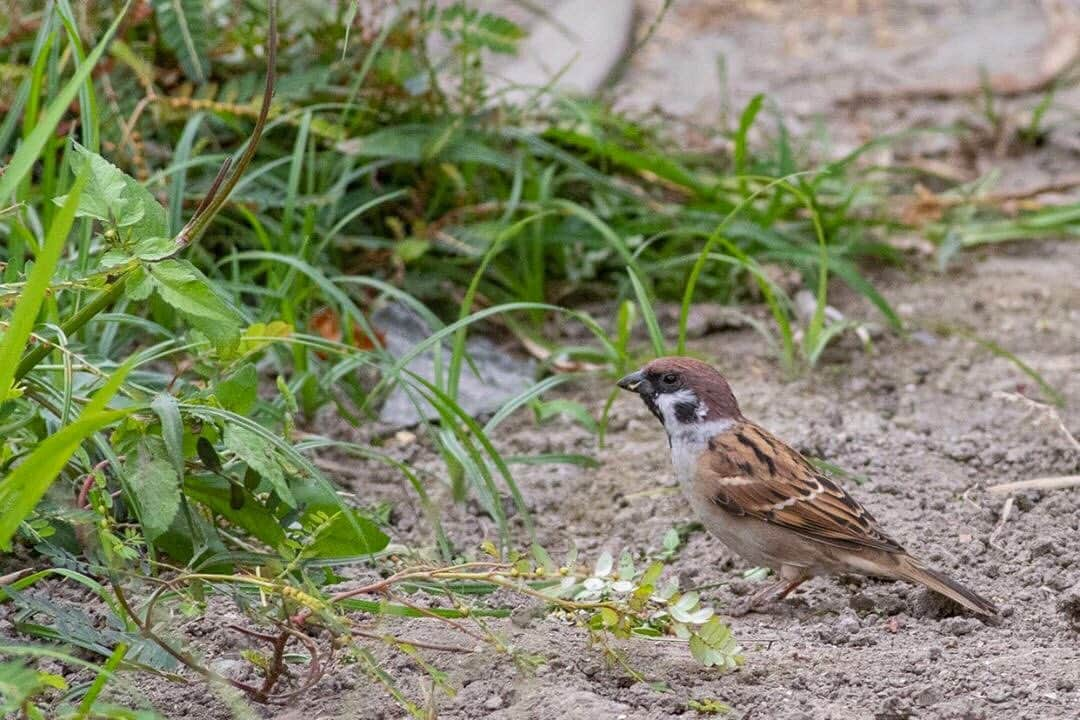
(687, 445)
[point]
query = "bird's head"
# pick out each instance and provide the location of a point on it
(683, 392)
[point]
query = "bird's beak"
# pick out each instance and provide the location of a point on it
(634, 382)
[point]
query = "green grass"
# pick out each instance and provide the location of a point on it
(167, 245)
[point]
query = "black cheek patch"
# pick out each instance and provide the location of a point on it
(686, 412)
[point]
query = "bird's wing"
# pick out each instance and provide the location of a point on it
(748, 472)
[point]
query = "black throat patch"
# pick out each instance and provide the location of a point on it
(650, 402)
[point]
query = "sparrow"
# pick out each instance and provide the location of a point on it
(762, 498)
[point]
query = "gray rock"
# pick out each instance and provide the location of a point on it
(500, 375)
(578, 44)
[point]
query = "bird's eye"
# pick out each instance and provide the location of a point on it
(670, 379)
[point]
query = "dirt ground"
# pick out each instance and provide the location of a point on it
(930, 420)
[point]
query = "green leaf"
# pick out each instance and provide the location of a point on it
(348, 534)
(156, 487)
(183, 287)
(208, 455)
(608, 617)
(186, 32)
(713, 646)
(543, 559)
(114, 196)
(27, 483)
(172, 429)
(259, 456)
(655, 335)
(478, 30)
(139, 285)
(152, 249)
(24, 486)
(571, 408)
(414, 143)
(239, 391)
(253, 518)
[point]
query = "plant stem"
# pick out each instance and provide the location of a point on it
(73, 324)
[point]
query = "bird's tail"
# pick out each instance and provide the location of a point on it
(911, 569)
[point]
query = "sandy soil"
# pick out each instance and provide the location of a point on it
(931, 420)
(930, 423)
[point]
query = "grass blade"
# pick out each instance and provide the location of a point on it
(37, 286)
(27, 154)
(655, 336)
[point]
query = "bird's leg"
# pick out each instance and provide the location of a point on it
(774, 592)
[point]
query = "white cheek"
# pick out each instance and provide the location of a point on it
(667, 402)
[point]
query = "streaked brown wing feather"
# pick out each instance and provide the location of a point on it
(750, 473)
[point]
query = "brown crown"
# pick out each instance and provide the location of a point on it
(704, 380)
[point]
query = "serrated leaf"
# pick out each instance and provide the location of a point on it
(113, 257)
(186, 32)
(111, 195)
(239, 391)
(139, 285)
(256, 452)
(183, 287)
(154, 248)
(156, 488)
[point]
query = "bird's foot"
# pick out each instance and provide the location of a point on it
(769, 594)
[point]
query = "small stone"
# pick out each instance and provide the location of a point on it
(861, 602)
(524, 616)
(494, 702)
(848, 625)
(1069, 606)
(959, 626)
(997, 694)
(227, 667)
(928, 696)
